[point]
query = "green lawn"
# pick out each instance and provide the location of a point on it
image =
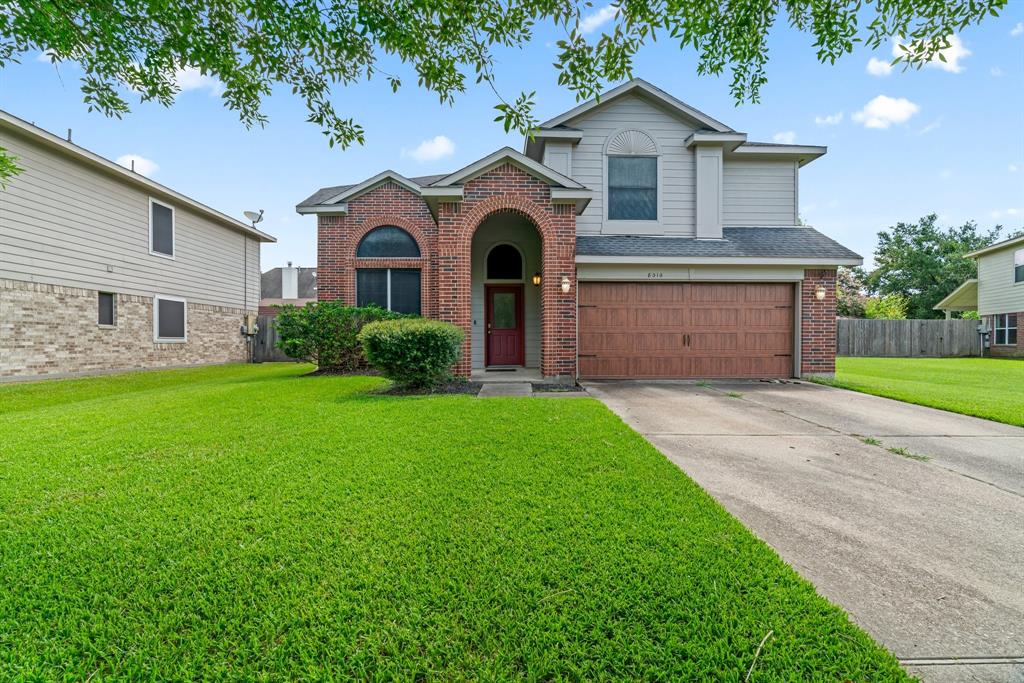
(992, 388)
(249, 523)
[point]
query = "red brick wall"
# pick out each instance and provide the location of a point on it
(445, 248)
(1006, 350)
(507, 188)
(338, 237)
(818, 324)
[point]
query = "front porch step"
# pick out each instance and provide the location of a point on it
(492, 389)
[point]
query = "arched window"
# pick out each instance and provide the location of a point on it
(387, 241)
(504, 262)
(632, 177)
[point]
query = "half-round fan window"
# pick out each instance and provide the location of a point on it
(388, 241)
(504, 262)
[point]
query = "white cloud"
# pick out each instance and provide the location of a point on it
(1005, 213)
(596, 20)
(46, 57)
(879, 67)
(953, 54)
(996, 72)
(884, 111)
(786, 137)
(433, 149)
(1013, 168)
(934, 125)
(142, 165)
(1017, 30)
(829, 120)
(190, 78)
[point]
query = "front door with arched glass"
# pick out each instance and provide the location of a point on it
(504, 315)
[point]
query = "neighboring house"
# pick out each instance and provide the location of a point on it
(288, 285)
(997, 295)
(634, 237)
(102, 269)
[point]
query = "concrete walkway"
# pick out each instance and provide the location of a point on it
(925, 550)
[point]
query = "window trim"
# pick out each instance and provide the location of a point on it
(1006, 329)
(388, 270)
(1014, 266)
(157, 339)
(522, 263)
(629, 226)
(174, 230)
(106, 326)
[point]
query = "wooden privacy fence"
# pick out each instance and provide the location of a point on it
(265, 347)
(907, 338)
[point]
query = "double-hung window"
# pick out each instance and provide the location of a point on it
(161, 229)
(632, 188)
(1006, 329)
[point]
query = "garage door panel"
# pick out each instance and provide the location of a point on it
(681, 330)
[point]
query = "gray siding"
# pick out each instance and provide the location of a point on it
(65, 223)
(676, 200)
(997, 292)
(759, 192)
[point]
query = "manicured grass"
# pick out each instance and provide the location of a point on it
(249, 523)
(984, 387)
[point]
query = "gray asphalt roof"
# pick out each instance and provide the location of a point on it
(799, 242)
(325, 193)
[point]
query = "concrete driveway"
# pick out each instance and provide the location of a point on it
(925, 550)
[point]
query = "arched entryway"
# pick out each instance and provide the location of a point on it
(506, 254)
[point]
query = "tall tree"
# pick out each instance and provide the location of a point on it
(925, 262)
(141, 46)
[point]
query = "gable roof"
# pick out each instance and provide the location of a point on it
(638, 86)
(798, 244)
(141, 182)
(963, 298)
(507, 154)
(1012, 242)
(324, 193)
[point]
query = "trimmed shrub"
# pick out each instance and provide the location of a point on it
(414, 353)
(326, 333)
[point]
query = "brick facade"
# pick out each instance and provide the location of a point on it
(1006, 350)
(445, 253)
(52, 330)
(818, 323)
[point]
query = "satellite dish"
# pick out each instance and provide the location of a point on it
(253, 216)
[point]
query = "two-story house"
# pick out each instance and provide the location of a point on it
(634, 237)
(103, 269)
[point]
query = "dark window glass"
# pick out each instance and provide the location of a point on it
(1006, 329)
(633, 188)
(106, 306)
(405, 290)
(504, 263)
(162, 220)
(170, 319)
(504, 310)
(372, 287)
(388, 241)
(1018, 265)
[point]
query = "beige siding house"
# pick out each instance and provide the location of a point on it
(997, 295)
(102, 269)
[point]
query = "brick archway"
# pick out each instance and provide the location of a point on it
(555, 223)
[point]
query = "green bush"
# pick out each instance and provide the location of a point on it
(326, 333)
(887, 307)
(414, 353)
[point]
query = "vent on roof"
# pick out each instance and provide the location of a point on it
(632, 142)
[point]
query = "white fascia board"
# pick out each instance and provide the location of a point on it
(720, 260)
(996, 247)
(804, 153)
(651, 91)
(323, 210)
(52, 142)
(369, 184)
(558, 134)
(443, 193)
(728, 141)
(563, 195)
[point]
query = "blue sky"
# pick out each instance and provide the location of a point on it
(945, 140)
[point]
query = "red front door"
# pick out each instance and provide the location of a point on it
(504, 325)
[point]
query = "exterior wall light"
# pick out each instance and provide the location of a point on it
(566, 285)
(819, 292)
(536, 279)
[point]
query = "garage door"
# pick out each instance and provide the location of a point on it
(685, 330)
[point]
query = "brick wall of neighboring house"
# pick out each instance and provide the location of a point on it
(338, 237)
(818, 324)
(1004, 350)
(509, 189)
(52, 330)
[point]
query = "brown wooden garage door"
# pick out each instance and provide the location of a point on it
(685, 330)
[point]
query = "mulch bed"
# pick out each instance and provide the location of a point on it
(455, 387)
(541, 388)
